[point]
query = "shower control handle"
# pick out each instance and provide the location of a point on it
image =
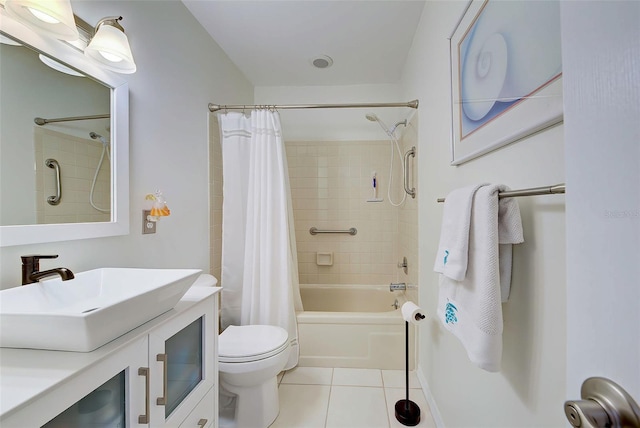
(404, 265)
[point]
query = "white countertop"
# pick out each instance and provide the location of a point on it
(26, 374)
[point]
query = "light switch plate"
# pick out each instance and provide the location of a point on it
(147, 226)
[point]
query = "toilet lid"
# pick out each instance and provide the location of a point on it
(251, 342)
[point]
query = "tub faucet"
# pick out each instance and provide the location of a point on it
(31, 269)
(397, 286)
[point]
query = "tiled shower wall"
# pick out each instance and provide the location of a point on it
(330, 185)
(78, 159)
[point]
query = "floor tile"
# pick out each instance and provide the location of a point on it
(308, 376)
(357, 377)
(396, 379)
(394, 394)
(302, 406)
(357, 407)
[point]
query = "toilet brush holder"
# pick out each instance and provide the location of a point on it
(408, 412)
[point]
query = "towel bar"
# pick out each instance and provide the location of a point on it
(534, 191)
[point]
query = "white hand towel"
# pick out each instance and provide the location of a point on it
(452, 256)
(471, 308)
(509, 232)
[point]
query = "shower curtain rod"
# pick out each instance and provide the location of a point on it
(218, 107)
(40, 121)
(534, 191)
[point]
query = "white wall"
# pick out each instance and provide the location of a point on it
(179, 73)
(529, 391)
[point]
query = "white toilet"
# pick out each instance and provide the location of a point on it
(250, 357)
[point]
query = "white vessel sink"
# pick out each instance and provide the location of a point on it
(84, 313)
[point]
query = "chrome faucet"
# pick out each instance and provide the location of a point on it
(397, 286)
(31, 269)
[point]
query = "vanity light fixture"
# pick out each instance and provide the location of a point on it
(51, 17)
(110, 46)
(8, 41)
(58, 66)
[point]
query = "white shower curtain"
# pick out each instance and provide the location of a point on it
(259, 258)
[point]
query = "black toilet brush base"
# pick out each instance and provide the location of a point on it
(407, 413)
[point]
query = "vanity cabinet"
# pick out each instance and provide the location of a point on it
(162, 374)
(181, 366)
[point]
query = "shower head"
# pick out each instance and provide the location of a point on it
(373, 118)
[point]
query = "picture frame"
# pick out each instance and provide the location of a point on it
(506, 75)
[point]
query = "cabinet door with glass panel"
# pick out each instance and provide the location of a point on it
(181, 362)
(110, 394)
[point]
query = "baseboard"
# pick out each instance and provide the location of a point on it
(437, 419)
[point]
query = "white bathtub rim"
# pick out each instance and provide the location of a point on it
(318, 317)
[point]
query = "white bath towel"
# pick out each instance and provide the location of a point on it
(452, 257)
(472, 308)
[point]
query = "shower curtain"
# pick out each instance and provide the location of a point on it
(259, 257)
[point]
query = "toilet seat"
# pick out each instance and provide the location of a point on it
(241, 344)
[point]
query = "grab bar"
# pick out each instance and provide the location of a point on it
(411, 192)
(55, 200)
(315, 231)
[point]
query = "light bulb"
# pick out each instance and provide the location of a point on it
(43, 16)
(110, 57)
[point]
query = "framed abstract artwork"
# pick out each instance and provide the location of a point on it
(506, 74)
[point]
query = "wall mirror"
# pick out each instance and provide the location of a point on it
(65, 176)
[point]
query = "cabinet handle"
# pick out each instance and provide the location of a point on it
(162, 401)
(202, 423)
(144, 419)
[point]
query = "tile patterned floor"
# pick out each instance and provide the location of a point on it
(313, 397)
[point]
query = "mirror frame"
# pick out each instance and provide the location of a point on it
(119, 224)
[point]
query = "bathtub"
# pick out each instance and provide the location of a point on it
(354, 326)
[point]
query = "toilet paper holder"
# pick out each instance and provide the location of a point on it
(407, 412)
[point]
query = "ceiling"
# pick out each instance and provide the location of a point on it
(274, 42)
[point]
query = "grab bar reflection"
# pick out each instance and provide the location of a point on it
(315, 231)
(410, 191)
(55, 199)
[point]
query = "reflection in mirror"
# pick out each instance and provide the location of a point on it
(40, 97)
(48, 115)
